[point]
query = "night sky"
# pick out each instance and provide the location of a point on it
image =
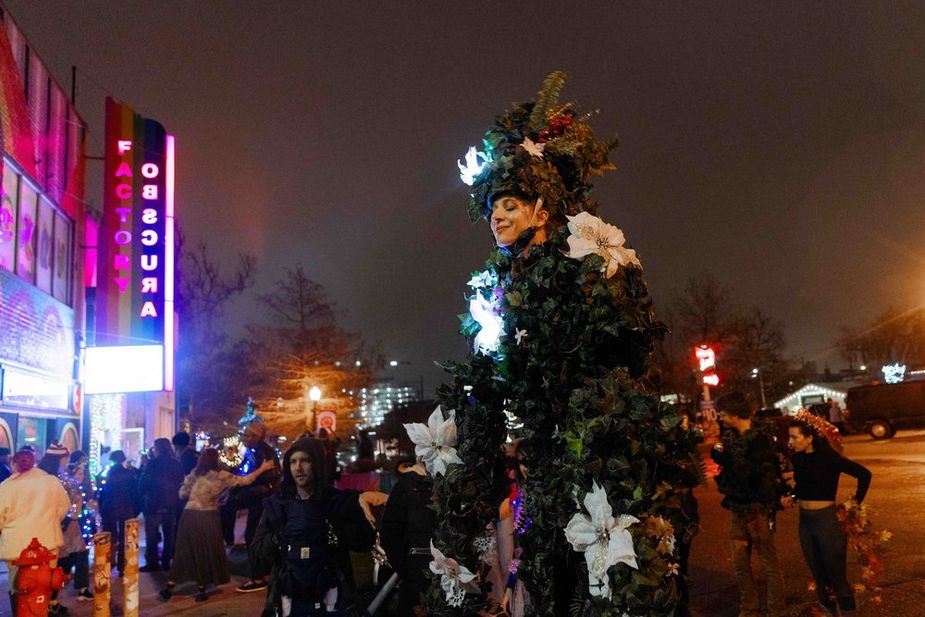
(780, 146)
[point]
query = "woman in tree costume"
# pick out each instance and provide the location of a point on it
(562, 329)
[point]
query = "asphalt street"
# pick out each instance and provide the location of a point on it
(897, 499)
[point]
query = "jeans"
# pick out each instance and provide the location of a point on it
(824, 547)
(80, 561)
(751, 533)
(164, 519)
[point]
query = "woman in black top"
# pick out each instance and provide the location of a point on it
(816, 470)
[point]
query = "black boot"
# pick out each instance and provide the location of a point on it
(12, 604)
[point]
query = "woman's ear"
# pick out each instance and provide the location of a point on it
(540, 214)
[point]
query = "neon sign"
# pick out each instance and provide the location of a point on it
(706, 357)
(135, 289)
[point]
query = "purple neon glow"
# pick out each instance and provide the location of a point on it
(169, 268)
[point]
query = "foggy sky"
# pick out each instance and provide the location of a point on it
(780, 146)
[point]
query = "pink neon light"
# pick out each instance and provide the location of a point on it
(169, 341)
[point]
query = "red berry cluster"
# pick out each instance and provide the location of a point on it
(557, 126)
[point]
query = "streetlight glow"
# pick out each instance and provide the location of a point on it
(393, 363)
(315, 393)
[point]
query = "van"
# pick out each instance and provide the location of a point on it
(883, 409)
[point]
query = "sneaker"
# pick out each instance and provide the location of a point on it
(149, 567)
(84, 595)
(57, 611)
(250, 586)
(166, 593)
(201, 596)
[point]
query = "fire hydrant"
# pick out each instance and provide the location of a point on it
(36, 581)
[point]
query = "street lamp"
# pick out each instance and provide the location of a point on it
(757, 373)
(314, 395)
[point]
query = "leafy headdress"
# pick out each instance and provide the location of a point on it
(540, 149)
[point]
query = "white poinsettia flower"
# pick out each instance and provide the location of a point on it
(435, 442)
(589, 234)
(604, 539)
(473, 167)
(484, 312)
(455, 579)
(533, 149)
(482, 280)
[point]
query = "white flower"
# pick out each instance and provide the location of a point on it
(435, 442)
(533, 149)
(482, 280)
(455, 579)
(603, 539)
(471, 170)
(492, 325)
(520, 335)
(589, 234)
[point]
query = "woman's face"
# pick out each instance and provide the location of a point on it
(301, 468)
(511, 216)
(798, 441)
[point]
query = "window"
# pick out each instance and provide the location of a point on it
(62, 259)
(8, 219)
(25, 255)
(46, 241)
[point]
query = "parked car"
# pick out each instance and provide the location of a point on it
(883, 409)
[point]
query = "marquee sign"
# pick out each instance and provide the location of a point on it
(135, 288)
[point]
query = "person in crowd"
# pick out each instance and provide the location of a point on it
(75, 552)
(816, 470)
(5, 471)
(507, 589)
(200, 554)
(54, 461)
(836, 415)
(752, 487)
(119, 501)
(252, 497)
(160, 490)
(32, 505)
(305, 533)
(88, 517)
(405, 532)
(186, 453)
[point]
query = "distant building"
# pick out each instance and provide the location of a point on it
(378, 400)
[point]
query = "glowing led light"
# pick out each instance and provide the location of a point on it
(893, 373)
(473, 168)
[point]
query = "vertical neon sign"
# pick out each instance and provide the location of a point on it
(169, 342)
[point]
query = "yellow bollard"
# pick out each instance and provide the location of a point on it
(130, 576)
(101, 573)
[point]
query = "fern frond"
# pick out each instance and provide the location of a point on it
(547, 98)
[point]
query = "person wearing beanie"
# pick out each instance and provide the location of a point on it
(32, 505)
(120, 500)
(752, 485)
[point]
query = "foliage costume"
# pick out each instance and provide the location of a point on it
(568, 371)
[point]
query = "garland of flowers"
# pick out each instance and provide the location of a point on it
(562, 336)
(867, 541)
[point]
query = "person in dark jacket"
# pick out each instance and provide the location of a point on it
(752, 486)
(305, 534)
(5, 471)
(119, 501)
(160, 491)
(188, 456)
(252, 497)
(405, 533)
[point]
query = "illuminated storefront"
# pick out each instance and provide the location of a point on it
(41, 214)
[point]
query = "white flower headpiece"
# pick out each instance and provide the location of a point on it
(603, 539)
(435, 441)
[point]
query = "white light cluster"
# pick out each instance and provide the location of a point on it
(377, 401)
(808, 390)
(105, 418)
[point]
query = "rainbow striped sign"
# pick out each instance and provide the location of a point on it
(135, 288)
